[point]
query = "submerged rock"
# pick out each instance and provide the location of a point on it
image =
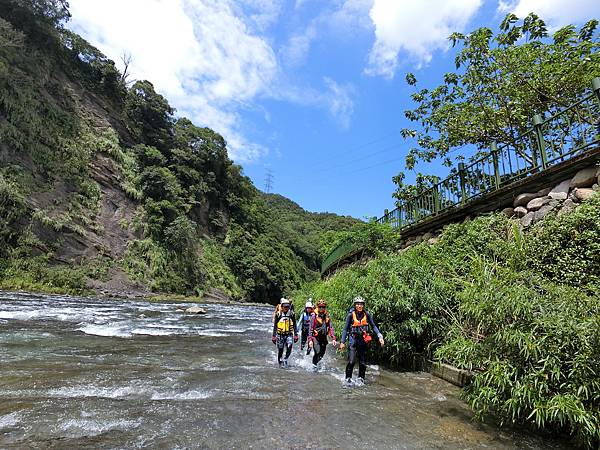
(195, 310)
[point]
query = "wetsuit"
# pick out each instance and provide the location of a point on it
(356, 325)
(320, 327)
(284, 327)
(304, 327)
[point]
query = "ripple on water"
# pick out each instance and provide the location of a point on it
(85, 391)
(153, 332)
(75, 428)
(10, 420)
(106, 330)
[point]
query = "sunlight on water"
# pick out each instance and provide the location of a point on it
(87, 373)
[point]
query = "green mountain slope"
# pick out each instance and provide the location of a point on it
(103, 187)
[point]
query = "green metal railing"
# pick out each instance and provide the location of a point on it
(548, 142)
(344, 249)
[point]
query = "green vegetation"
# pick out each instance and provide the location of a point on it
(520, 310)
(501, 80)
(78, 142)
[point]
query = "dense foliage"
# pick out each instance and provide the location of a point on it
(520, 310)
(200, 223)
(306, 233)
(501, 80)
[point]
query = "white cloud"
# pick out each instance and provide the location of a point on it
(295, 52)
(415, 27)
(555, 13)
(335, 98)
(261, 14)
(351, 15)
(343, 17)
(202, 55)
(339, 100)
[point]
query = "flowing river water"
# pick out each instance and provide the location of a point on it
(92, 373)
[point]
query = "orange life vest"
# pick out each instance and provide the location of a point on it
(321, 324)
(361, 325)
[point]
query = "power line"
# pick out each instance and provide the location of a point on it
(377, 165)
(269, 181)
(353, 149)
(362, 158)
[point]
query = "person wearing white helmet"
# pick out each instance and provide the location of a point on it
(358, 328)
(304, 324)
(284, 331)
(278, 307)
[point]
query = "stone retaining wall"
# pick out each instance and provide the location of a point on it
(451, 374)
(531, 207)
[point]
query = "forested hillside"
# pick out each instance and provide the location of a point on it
(103, 186)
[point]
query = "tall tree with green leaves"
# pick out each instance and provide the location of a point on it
(500, 81)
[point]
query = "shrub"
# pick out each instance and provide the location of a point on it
(535, 348)
(566, 249)
(481, 299)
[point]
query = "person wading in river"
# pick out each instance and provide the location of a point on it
(278, 308)
(304, 323)
(359, 323)
(320, 328)
(284, 331)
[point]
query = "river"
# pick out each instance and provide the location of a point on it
(91, 373)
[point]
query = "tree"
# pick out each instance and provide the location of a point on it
(500, 82)
(52, 12)
(150, 117)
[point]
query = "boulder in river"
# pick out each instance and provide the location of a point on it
(195, 310)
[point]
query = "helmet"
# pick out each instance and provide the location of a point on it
(359, 299)
(321, 303)
(285, 302)
(309, 304)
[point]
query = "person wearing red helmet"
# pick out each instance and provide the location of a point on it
(321, 327)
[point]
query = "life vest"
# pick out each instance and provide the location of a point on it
(284, 323)
(358, 326)
(306, 321)
(361, 327)
(321, 324)
(278, 310)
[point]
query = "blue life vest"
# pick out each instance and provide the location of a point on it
(305, 321)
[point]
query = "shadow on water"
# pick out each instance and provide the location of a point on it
(90, 373)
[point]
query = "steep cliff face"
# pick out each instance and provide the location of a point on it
(75, 219)
(102, 187)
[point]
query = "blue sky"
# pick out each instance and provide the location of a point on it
(311, 90)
